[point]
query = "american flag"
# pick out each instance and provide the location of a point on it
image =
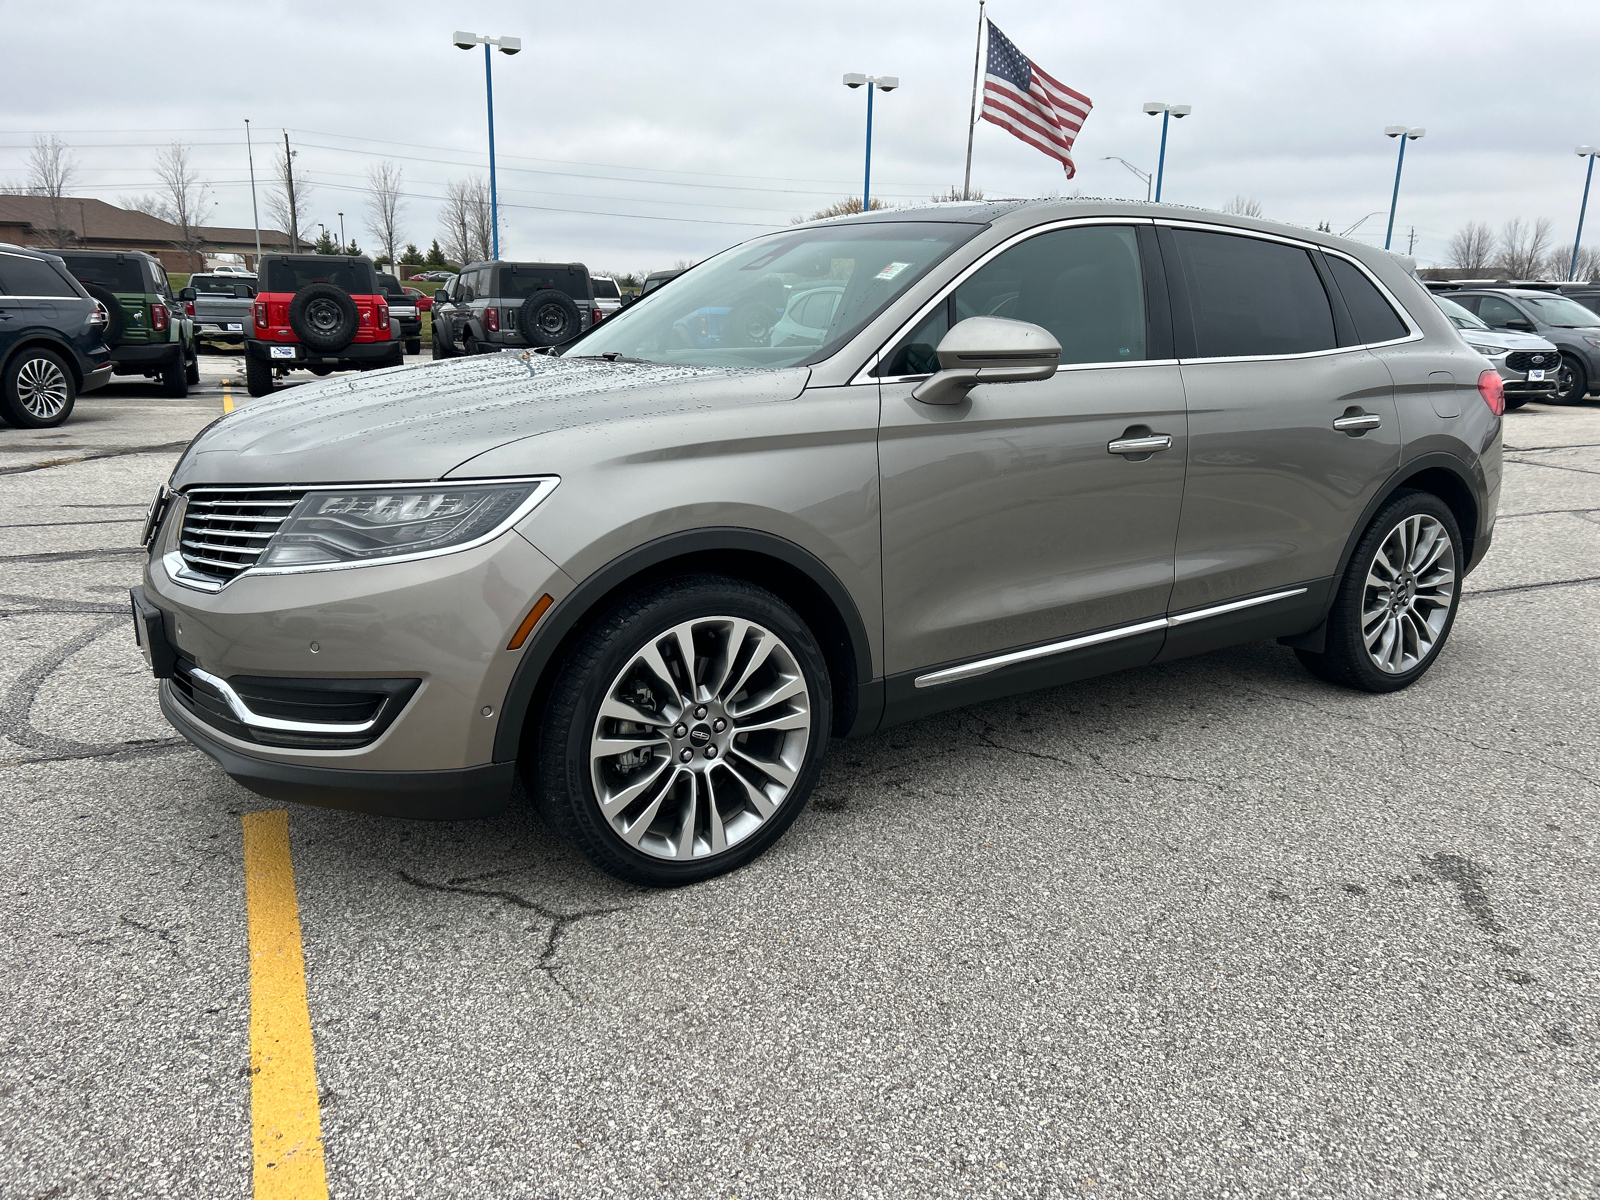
(1020, 98)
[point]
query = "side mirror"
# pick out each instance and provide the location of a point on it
(1520, 323)
(186, 294)
(988, 350)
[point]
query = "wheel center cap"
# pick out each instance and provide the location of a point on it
(700, 735)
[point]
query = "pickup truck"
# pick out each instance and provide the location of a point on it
(403, 311)
(220, 306)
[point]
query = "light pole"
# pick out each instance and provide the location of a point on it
(1152, 107)
(507, 45)
(888, 83)
(1586, 152)
(342, 243)
(255, 213)
(1405, 135)
(324, 229)
(1144, 175)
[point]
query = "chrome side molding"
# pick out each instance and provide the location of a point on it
(248, 716)
(984, 665)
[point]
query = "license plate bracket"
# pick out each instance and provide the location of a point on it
(1536, 376)
(281, 351)
(150, 632)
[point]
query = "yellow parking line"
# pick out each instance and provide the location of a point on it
(227, 396)
(283, 1070)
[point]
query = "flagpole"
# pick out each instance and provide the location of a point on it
(972, 118)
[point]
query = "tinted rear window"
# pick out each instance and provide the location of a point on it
(1253, 297)
(24, 276)
(606, 289)
(1375, 320)
(355, 278)
(125, 276)
(215, 285)
(518, 282)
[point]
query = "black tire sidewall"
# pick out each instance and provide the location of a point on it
(257, 376)
(561, 782)
(1345, 659)
(11, 406)
(174, 379)
(1580, 378)
(342, 336)
(116, 319)
(528, 324)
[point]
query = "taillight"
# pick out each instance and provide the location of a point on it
(260, 311)
(382, 316)
(491, 319)
(188, 308)
(1493, 390)
(160, 318)
(594, 316)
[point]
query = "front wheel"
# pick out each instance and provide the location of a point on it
(414, 345)
(1572, 381)
(37, 391)
(1397, 601)
(191, 368)
(685, 731)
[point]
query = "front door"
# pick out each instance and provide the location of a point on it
(1290, 434)
(1017, 518)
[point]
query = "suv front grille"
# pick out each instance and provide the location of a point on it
(226, 529)
(1533, 360)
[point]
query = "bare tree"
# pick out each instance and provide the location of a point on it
(468, 235)
(1243, 206)
(952, 194)
(840, 208)
(1560, 262)
(1471, 247)
(286, 199)
(147, 204)
(383, 206)
(1524, 247)
(185, 200)
(51, 170)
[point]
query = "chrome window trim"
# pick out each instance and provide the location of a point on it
(180, 573)
(248, 716)
(1088, 366)
(863, 374)
(984, 665)
(1415, 334)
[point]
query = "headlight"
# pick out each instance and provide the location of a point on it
(358, 525)
(1491, 351)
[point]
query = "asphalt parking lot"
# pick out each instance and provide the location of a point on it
(1211, 928)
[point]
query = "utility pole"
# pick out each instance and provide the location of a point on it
(294, 216)
(255, 213)
(1411, 241)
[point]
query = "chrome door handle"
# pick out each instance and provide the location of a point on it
(1356, 424)
(1141, 445)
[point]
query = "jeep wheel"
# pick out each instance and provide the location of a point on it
(685, 731)
(174, 379)
(37, 390)
(414, 345)
(257, 375)
(324, 317)
(191, 368)
(548, 318)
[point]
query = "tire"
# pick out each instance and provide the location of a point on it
(1573, 381)
(116, 319)
(257, 376)
(37, 390)
(414, 345)
(175, 379)
(191, 368)
(737, 807)
(324, 317)
(1408, 529)
(549, 318)
(1514, 403)
(321, 369)
(441, 349)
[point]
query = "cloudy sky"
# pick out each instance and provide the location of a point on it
(635, 134)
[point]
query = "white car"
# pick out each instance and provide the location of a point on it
(231, 270)
(607, 295)
(807, 316)
(1529, 366)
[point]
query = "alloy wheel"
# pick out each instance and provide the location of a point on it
(700, 738)
(42, 388)
(1409, 590)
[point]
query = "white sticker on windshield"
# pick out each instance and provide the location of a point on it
(891, 270)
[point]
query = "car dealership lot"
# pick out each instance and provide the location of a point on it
(1204, 928)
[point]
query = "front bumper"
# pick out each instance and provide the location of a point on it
(445, 621)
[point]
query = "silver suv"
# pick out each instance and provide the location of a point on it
(1034, 442)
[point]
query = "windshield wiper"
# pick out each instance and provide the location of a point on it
(609, 356)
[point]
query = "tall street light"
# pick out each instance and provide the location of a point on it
(507, 45)
(1167, 111)
(342, 242)
(888, 83)
(1405, 135)
(1144, 176)
(1587, 152)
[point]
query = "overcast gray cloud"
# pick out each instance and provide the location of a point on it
(635, 134)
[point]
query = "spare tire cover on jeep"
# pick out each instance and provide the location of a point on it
(324, 317)
(116, 319)
(548, 318)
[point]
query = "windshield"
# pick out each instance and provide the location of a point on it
(752, 306)
(1560, 312)
(1459, 317)
(606, 289)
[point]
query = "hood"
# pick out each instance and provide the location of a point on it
(419, 421)
(1503, 337)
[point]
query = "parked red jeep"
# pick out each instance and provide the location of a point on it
(317, 313)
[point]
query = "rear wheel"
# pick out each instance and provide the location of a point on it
(257, 375)
(37, 390)
(685, 731)
(174, 379)
(191, 368)
(1397, 601)
(414, 345)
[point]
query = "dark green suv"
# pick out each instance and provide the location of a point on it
(149, 331)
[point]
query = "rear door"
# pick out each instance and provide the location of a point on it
(1018, 519)
(29, 290)
(1292, 429)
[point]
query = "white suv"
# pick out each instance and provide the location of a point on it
(607, 295)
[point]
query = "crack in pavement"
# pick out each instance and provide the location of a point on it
(59, 524)
(1543, 512)
(1532, 587)
(560, 922)
(71, 555)
(49, 604)
(66, 462)
(1551, 466)
(1537, 449)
